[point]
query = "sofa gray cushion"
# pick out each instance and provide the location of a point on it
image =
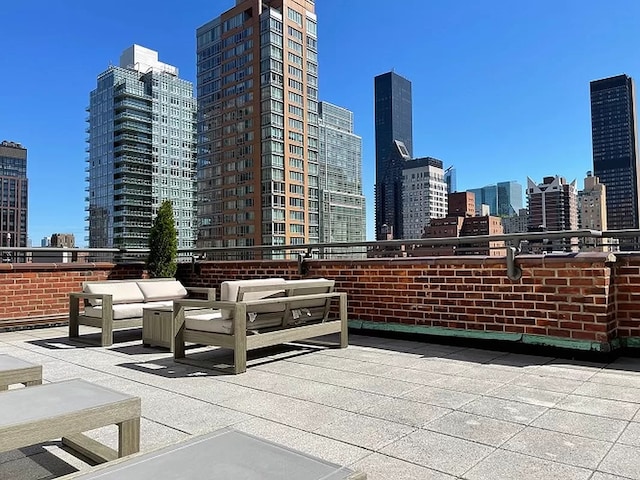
(120, 311)
(229, 292)
(122, 292)
(156, 290)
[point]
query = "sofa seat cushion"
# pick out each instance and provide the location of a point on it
(121, 311)
(121, 292)
(207, 321)
(212, 321)
(229, 291)
(162, 304)
(156, 290)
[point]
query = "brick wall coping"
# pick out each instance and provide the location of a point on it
(46, 267)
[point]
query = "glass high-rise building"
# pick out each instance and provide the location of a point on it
(504, 198)
(258, 132)
(614, 139)
(451, 179)
(342, 205)
(141, 151)
(394, 144)
(13, 194)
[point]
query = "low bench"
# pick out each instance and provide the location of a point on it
(33, 415)
(118, 304)
(223, 454)
(14, 371)
(259, 313)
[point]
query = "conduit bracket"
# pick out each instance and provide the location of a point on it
(514, 272)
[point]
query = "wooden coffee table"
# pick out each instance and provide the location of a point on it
(33, 415)
(14, 371)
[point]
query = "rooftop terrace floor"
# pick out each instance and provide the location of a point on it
(396, 409)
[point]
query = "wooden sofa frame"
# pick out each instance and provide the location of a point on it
(106, 322)
(241, 342)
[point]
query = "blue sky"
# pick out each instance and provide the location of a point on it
(500, 87)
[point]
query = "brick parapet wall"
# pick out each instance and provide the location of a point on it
(581, 297)
(627, 295)
(38, 290)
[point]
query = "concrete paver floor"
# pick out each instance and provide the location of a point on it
(396, 409)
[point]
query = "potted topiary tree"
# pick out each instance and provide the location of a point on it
(163, 244)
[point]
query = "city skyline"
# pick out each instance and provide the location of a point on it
(504, 98)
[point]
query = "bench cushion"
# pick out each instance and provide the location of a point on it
(156, 290)
(208, 321)
(230, 290)
(308, 310)
(122, 292)
(120, 311)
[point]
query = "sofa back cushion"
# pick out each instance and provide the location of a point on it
(122, 292)
(246, 290)
(157, 290)
(308, 310)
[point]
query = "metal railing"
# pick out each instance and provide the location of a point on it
(505, 245)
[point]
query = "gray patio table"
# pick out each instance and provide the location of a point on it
(225, 454)
(37, 414)
(14, 370)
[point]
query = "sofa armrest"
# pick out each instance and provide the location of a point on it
(105, 298)
(210, 293)
(90, 296)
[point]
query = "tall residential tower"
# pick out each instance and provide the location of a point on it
(141, 151)
(553, 206)
(258, 135)
(615, 157)
(394, 145)
(342, 205)
(13, 194)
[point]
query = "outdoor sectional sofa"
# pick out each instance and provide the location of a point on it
(117, 304)
(253, 314)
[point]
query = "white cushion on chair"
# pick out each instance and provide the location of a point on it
(229, 289)
(122, 292)
(229, 292)
(156, 290)
(208, 321)
(120, 311)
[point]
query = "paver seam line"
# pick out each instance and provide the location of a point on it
(622, 477)
(502, 447)
(410, 462)
(615, 442)
(425, 427)
(534, 457)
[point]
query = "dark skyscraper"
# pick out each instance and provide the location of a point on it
(13, 194)
(615, 160)
(394, 143)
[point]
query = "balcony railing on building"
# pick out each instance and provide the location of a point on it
(503, 245)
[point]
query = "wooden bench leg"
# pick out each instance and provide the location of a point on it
(107, 322)
(178, 331)
(74, 311)
(107, 335)
(129, 437)
(240, 339)
(344, 323)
